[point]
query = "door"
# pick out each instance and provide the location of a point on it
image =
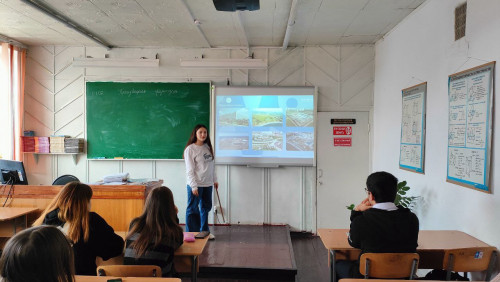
(342, 166)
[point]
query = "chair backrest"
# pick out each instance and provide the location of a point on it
(129, 270)
(65, 179)
(467, 259)
(388, 265)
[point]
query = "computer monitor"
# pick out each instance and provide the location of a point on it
(12, 172)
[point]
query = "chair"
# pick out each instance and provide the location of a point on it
(388, 265)
(65, 179)
(129, 270)
(468, 260)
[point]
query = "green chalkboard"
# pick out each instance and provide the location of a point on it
(143, 120)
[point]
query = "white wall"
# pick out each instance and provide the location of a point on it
(55, 104)
(422, 48)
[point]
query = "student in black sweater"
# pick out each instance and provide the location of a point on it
(90, 234)
(155, 235)
(378, 225)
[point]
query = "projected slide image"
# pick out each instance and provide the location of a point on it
(299, 141)
(233, 143)
(267, 117)
(234, 117)
(267, 141)
(299, 117)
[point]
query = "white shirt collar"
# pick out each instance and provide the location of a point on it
(388, 206)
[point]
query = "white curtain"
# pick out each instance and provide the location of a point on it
(12, 62)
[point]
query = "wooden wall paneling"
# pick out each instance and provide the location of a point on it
(286, 189)
(247, 195)
(285, 64)
(343, 74)
(322, 67)
(357, 75)
(118, 205)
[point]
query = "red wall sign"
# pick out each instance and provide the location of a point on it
(342, 130)
(342, 142)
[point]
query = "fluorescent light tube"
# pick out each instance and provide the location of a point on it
(224, 63)
(115, 63)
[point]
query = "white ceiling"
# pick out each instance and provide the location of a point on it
(171, 23)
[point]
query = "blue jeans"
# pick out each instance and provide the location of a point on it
(198, 209)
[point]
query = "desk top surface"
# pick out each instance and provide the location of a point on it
(336, 239)
(7, 213)
(187, 248)
(81, 278)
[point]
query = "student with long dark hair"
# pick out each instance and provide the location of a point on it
(155, 235)
(37, 254)
(90, 234)
(201, 178)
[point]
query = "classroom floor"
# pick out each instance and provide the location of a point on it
(262, 252)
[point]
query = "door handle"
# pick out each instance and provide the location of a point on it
(320, 173)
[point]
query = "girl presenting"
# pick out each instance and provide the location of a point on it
(201, 177)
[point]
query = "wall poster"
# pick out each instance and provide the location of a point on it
(411, 152)
(470, 97)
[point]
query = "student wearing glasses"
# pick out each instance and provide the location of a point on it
(378, 225)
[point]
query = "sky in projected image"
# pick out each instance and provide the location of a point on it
(265, 126)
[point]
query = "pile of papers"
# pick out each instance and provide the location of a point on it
(56, 144)
(42, 145)
(120, 177)
(73, 145)
(28, 144)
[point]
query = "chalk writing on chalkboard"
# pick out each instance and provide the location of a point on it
(143, 120)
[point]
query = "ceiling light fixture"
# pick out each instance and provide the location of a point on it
(224, 63)
(115, 63)
(44, 8)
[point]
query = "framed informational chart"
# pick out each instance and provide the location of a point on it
(412, 146)
(470, 97)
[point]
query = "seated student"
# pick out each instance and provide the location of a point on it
(155, 235)
(90, 234)
(378, 226)
(37, 254)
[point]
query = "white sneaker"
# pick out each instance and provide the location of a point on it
(211, 236)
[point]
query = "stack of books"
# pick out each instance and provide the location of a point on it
(73, 145)
(28, 143)
(42, 145)
(57, 144)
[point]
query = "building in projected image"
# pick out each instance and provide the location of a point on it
(267, 117)
(299, 141)
(299, 117)
(267, 141)
(234, 117)
(233, 143)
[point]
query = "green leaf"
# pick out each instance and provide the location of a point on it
(402, 193)
(350, 207)
(401, 184)
(406, 188)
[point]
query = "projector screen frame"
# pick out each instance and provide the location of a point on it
(260, 162)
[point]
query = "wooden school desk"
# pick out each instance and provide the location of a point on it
(431, 246)
(82, 278)
(186, 257)
(117, 204)
(13, 220)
